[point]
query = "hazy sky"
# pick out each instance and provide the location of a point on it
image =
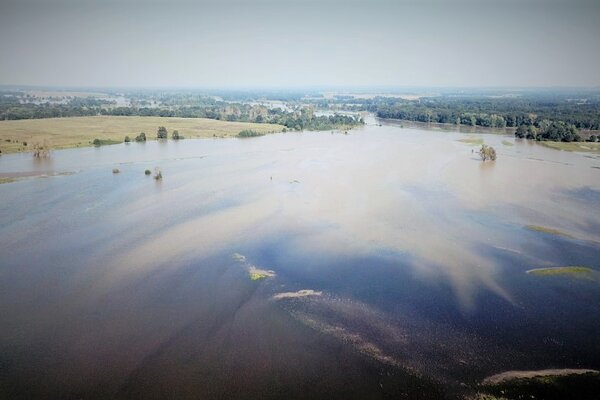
(299, 43)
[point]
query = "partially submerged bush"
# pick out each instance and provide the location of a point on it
(102, 142)
(127, 139)
(249, 133)
(176, 135)
(157, 174)
(116, 170)
(487, 153)
(162, 133)
(141, 137)
(147, 172)
(41, 150)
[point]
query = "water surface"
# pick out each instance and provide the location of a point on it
(416, 252)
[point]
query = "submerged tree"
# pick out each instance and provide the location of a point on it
(157, 174)
(141, 137)
(487, 153)
(175, 135)
(41, 150)
(162, 133)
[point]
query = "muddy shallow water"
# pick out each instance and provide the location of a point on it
(396, 266)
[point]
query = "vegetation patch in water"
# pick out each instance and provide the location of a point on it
(554, 271)
(550, 231)
(298, 294)
(475, 141)
(257, 274)
(254, 272)
(586, 147)
(487, 153)
(104, 142)
(249, 133)
(7, 180)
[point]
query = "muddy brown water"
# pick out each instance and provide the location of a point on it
(412, 251)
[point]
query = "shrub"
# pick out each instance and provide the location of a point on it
(249, 133)
(127, 139)
(147, 172)
(141, 137)
(592, 138)
(175, 135)
(102, 142)
(41, 150)
(116, 170)
(162, 133)
(487, 153)
(157, 174)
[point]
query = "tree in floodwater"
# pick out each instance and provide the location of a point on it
(521, 131)
(162, 133)
(556, 131)
(41, 150)
(141, 137)
(157, 174)
(175, 135)
(487, 153)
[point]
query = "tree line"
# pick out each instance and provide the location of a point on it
(299, 118)
(556, 131)
(498, 113)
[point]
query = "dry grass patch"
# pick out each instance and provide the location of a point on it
(64, 133)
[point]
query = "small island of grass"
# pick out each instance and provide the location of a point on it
(257, 274)
(475, 141)
(555, 271)
(550, 231)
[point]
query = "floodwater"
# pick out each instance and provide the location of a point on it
(393, 264)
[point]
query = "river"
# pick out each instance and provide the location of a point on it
(389, 261)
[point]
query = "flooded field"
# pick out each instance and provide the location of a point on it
(389, 262)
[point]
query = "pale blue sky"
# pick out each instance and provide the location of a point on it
(299, 43)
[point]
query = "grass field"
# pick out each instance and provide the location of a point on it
(61, 133)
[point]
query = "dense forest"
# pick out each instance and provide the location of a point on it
(491, 112)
